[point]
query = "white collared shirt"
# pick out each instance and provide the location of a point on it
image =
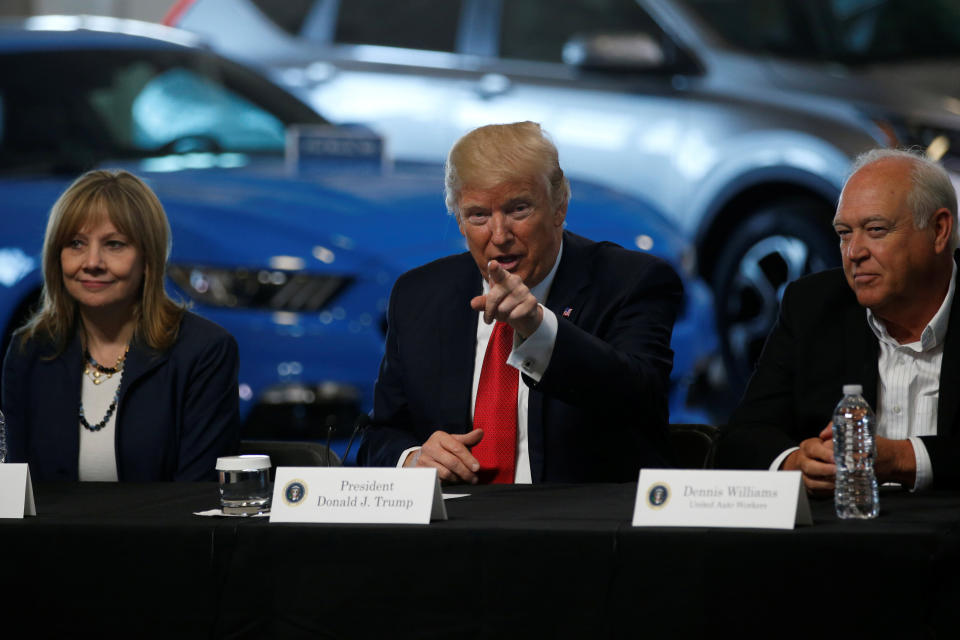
(530, 357)
(908, 391)
(909, 386)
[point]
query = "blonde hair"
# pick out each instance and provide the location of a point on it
(133, 208)
(496, 153)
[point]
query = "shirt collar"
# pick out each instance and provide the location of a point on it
(542, 289)
(933, 334)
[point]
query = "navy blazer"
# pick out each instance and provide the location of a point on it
(178, 410)
(822, 341)
(599, 412)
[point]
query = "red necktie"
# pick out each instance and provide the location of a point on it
(496, 409)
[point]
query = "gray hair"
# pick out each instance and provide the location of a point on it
(931, 188)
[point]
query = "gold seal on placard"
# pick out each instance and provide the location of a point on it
(294, 492)
(658, 495)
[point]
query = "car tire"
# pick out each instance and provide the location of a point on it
(767, 250)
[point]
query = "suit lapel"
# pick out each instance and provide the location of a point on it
(458, 342)
(140, 360)
(863, 356)
(861, 352)
(950, 370)
(66, 421)
(572, 277)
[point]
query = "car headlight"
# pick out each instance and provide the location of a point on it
(272, 289)
(936, 142)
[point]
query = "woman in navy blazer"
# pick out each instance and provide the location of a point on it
(111, 379)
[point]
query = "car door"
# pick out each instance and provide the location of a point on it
(399, 73)
(619, 128)
(427, 71)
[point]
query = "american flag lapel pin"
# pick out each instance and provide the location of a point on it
(567, 312)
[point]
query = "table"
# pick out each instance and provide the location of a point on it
(131, 560)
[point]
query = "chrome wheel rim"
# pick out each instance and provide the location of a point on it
(750, 309)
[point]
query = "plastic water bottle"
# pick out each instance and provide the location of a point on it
(854, 451)
(3, 438)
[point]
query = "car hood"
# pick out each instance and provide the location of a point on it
(248, 217)
(348, 219)
(264, 216)
(339, 220)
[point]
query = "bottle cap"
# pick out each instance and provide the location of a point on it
(852, 390)
(243, 463)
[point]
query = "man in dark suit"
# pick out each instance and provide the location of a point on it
(887, 321)
(482, 381)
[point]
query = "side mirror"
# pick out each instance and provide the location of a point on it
(638, 52)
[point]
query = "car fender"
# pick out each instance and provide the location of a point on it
(767, 157)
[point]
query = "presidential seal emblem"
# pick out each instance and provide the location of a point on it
(658, 495)
(294, 492)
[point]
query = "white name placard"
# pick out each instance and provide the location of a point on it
(16, 491)
(688, 498)
(357, 495)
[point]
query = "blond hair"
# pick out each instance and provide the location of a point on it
(496, 153)
(133, 208)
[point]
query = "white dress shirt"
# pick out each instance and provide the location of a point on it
(909, 387)
(530, 356)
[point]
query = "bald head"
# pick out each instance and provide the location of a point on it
(897, 266)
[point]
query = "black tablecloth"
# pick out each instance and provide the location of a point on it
(126, 560)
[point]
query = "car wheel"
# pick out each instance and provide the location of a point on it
(769, 249)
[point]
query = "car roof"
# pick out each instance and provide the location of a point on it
(90, 32)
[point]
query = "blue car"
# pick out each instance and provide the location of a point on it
(294, 253)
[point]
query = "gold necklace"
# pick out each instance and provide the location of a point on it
(97, 372)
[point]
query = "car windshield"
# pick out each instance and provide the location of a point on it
(69, 110)
(846, 31)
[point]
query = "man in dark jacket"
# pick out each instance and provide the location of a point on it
(886, 321)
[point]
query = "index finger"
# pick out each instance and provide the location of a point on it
(458, 449)
(816, 449)
(817, 469)
(495, 272)
(827, 433)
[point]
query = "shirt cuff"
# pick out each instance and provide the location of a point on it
(532, 356)
(403, 456)
(924, 466)
(780, 458)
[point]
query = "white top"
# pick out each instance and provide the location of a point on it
(852, 390)
(98, 457)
